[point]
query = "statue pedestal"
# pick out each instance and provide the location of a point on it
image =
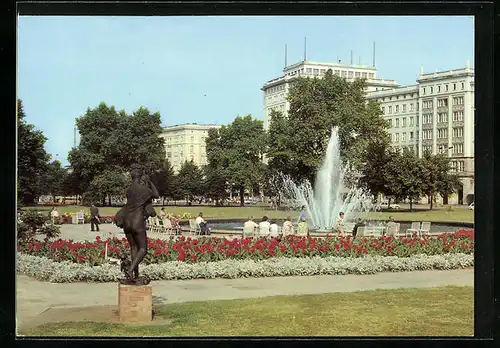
(135, 303)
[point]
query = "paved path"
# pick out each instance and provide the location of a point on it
(35, 297)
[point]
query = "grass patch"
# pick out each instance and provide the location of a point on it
(457, 215)
(445, 311)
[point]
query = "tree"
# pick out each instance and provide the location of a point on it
(238, 149)
(164, 180)
(112, 182)
(298, 143)
(52, 180)
(31, 158)
(112, 141)
(216, 183)
(437, 177)
(189, 180)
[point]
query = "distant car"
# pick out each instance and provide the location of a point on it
(471, 206)
(385, 205)
(250, 201)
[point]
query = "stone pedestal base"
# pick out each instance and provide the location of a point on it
(135, 303)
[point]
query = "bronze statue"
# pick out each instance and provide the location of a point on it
(132, 218)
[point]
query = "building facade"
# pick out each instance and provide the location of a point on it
(437, 115)
(186, 142)
(275, 92)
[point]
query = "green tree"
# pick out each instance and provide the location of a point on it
(164, 180)
(31, 158)
(52, 180)
(111, 183)
(114, 141)
(298, 143)
(216, 183)
(189, 180)
(239, 149)
(437, 177)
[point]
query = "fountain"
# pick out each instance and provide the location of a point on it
(330, 195)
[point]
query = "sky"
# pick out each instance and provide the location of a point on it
(207, 69)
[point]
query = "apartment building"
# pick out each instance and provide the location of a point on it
(436, 115)
(275, 91)
(186, 142)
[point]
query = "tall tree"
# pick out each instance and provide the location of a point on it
(113, 141)
(316, 106)
(190, 180)
(216, 183)
(238, 149)
(164, 180)
(31, 158)
(52, 180)
(437, 177)
(111, 183)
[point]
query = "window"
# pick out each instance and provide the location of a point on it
(442, 102)
(412, 107)
(364, 75)
(461, 166)
(383, 109)
(463, 85)
(458, 116)
(458, 132)
(411, 135)
(397, 109)
(371, 75)
(397, 122)
(337, 72)
(403, 137)
(308, 70)
(351, 74)
(427, 119)
(427, 134)
(454, 86)
(412, 119)
(192, 139)
(453, 166)
(404, 107)
(442, 149)
(417, 119)
(446, 88)
(344, 73)
(397, 137)
(442, 133)
(316, 71)
(432, 90)
(458, 101)
(442, 117)
(458, 148)
(427, 104)
(423, 91)
(390, 109)
(427, 148)
(323, 71)
(191, 149)
(439, 89)
(357, 74)
(404, 122)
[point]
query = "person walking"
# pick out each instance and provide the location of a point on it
(94, 218)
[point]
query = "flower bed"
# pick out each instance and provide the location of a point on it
(45, 269)
(211, 249)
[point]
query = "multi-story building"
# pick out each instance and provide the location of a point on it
(186, 142)
(276, 91)
(436, 115)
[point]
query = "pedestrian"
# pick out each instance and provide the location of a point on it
(95, 218)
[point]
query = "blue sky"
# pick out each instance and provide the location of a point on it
(207, 69)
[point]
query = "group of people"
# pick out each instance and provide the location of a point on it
(170, 221)
(269, 228)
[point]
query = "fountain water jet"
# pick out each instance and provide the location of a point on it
(330, 195)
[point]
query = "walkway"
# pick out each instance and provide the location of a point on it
(35, 297)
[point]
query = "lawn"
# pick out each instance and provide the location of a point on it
(458, 214)
(445, 311)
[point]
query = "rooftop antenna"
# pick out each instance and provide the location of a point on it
(373, 53)
(285, 57)
(421, 69)
(351, 57)
(305, 49)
